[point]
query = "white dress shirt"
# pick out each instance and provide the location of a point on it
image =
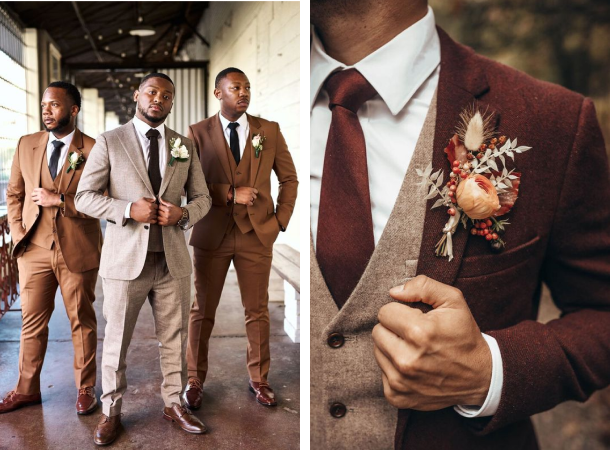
(141, 130)
(67, 140)
(243, 131)
(405, 74)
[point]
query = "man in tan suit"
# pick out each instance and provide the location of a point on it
(145, 253)
(55, 245)
(241, 227)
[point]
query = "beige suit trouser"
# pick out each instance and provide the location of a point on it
(252, 262)
(170, 299)
(40, 272)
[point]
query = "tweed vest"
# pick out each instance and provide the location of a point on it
(348, 375)
(45, 233)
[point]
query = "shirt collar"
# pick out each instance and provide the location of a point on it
(409, 58)
(242, 121)
(142, 127)
(67, 140)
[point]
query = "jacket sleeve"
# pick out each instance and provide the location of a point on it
(90, 198)
(567, 358)
(283, 166)
(15, 194)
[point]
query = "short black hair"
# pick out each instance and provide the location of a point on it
(223, 73)
(70, 89)
(156, 75)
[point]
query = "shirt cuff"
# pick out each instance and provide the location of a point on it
(490, 406)
(128, 215)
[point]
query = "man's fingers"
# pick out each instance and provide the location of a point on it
(427, 290)
(398, 351)
(404, 321)
(149, 200)
(255, 190)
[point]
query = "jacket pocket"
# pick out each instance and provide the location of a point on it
(476, 266)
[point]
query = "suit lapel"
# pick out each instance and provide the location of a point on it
(255, 128)
(63, 180)
(169, 170)
(461, 83)
(131, 145)
(39, 151)
(219, 144)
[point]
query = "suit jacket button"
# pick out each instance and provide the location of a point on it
(234, 214)
(337, 410)
(335, 340)
(146, 227)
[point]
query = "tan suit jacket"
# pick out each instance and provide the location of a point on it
(79, 235)
(219, 168)
(117, 165)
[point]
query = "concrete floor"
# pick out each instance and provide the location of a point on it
(233, 417)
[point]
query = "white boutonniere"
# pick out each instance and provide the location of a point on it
(178, 152)
(75, 159)
(257, 144)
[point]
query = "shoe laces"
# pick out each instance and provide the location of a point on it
(195, 383)
(9, 396)
(86, 391)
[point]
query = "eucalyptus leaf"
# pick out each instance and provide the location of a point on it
(491, 163)
(439, 202)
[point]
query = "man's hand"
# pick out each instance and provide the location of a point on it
(169, 214)
(144, 210)
(45, 198)
(435, 360)
(245, 195)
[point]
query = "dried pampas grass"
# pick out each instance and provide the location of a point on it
(474, 128)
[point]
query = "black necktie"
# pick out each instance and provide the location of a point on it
(153, 162)
(234, 139)
(55, 158)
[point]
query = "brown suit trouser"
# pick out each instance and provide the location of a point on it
(252, 262)
(40, 272)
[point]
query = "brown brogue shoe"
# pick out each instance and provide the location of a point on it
(107, 429)
(86, 402)
(193, 394)
(184, 418)
(264, 394)
(14, 401)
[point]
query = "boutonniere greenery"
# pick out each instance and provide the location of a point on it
(480, 188)
(75, 159)
(257, 144)
(179, 152)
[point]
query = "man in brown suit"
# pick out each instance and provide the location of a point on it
(241, 227)
(55, 245)
(468, 373)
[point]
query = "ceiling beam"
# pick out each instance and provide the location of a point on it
(84, 26)
(135, 64)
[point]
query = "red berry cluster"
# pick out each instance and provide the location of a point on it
(483, 148)
(458, 170)
(486, 228)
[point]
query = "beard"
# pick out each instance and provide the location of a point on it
(150, 118)
(62, 123)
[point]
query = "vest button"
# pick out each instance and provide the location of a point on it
(238, 173)
(234, 214)
(146, 227)
(228, 214)
(337, 410)
(335, 340)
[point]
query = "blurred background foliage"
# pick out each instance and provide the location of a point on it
(566, 42)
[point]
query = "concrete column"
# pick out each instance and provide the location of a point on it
(112, 121)
(32, 75)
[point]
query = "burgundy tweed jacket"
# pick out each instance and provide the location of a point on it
(559, 234)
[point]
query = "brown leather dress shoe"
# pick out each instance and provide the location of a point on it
(184, 418)
(14, 401)
(107, 429)
(193, 394)
(86, 402)
(264, 394)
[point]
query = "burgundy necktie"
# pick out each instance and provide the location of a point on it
(345, 239)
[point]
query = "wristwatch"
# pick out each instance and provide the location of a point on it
(184, 220)
(61, 201)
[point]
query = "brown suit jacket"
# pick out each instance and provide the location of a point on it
(80, 237)
(219, 169)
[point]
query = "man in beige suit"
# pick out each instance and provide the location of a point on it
(145, 167)
(54, 245)
(241, 227)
